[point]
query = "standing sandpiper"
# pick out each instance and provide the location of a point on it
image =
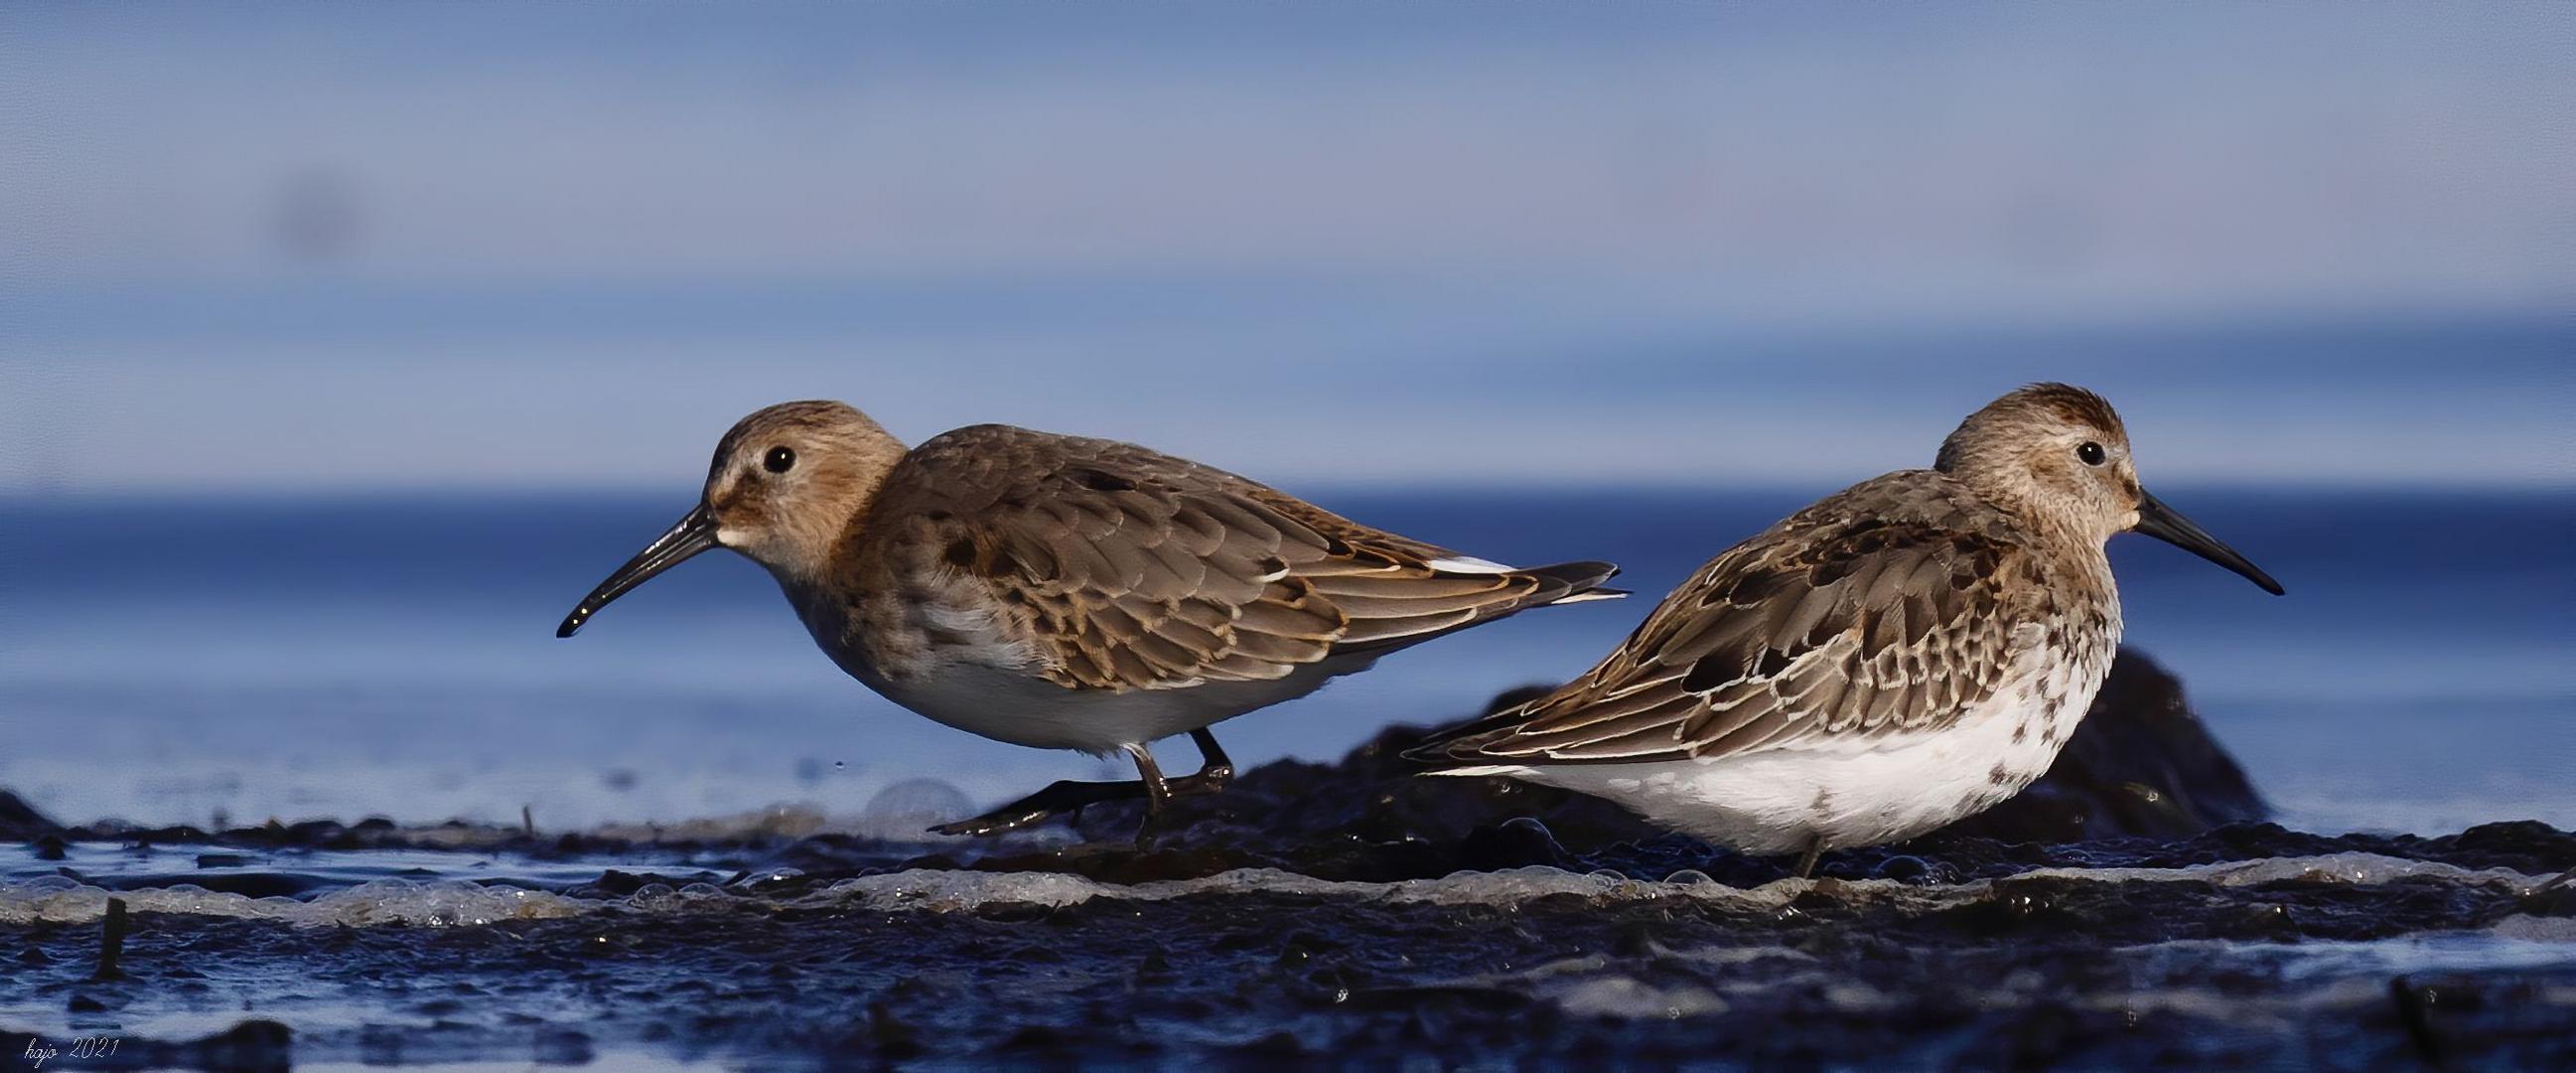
(1906, 652)
(1068, 593)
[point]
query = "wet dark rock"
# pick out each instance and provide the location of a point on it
(2141, 766)
(249, 1047)
(2187, 970)
(888, 1035)
(20, 822)
(1513, 843)
(2026, 971)
(2554, 899)
(562, 1047)
(617, 884)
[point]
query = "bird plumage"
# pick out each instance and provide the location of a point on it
(1124, 568)
(1891, 608)
(1905, 652)
(1065, 592)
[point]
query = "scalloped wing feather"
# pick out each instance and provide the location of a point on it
(1893, 607)
(1126, 568)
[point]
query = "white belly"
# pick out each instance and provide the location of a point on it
(1015, 707)
(1851, 794)
(947, 657)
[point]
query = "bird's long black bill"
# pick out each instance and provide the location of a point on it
(696, 532)
(2157, 520)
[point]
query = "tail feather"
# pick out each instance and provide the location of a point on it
(1575, 582)
(1452, 748)
(1561, 583)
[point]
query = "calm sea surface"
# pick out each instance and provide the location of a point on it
(183, 660)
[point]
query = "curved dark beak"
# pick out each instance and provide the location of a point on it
(2157, 520)
(696, 532)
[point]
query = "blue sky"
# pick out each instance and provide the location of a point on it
(310, 247)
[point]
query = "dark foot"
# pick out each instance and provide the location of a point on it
(1215, 768)
(1213, 773)
(1807, 861)
(1199, 785)
(1060, 797)
(1205, 782)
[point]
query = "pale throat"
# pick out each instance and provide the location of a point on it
(802, 563)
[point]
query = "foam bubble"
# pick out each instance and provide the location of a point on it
(1628, 998)
(946, 891)
(444, 903)
(2359, 868)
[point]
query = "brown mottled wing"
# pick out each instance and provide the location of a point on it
(1837, 623)
(1134, 569)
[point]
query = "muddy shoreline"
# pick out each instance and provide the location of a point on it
(2354, 959)
(2133, 909)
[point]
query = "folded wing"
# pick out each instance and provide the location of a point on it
(1832, 629)
(1137, 570)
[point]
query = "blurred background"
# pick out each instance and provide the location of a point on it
(342, 348)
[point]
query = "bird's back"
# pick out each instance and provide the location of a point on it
(1888, 609)
(1117, 567)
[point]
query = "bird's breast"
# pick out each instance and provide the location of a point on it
(907, 626)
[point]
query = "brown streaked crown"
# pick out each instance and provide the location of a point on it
(2024, 452)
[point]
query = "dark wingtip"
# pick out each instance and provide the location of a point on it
(1437, 753)
(1432, 753)
(1582, 580)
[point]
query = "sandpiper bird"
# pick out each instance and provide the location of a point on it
(1068, 593)
(1906, 652)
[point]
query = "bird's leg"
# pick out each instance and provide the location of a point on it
(1807, 861)
(1214, 769)
(1157, 791)
(1157, 788)
(1213, 773)
(1063, 797)
(1067, 796)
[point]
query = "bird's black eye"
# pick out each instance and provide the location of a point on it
(2090, 454)
(779, 459)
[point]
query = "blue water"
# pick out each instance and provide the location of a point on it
(193, 660)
